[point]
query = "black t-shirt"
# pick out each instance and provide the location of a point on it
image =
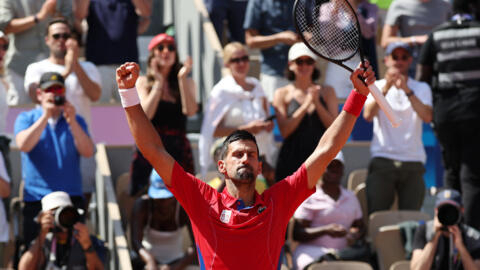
(441, 260)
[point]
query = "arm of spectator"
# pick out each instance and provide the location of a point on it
(337, 134)
(139, 220)
(326, 114)
(28, 138)
(83, 142)
(255, 40)
(82, 235)
(143, 8)
(467, 260)
(145, 135)
(390, 34)
(422, 259)
(149, 99)
(4, 188)
(425, 112)
(254, 127)
(18, 25)
(80, 9)
(187, 89)
(32, 92)
(34, 257)
(303, 232)
(357, 231)
(287, 124)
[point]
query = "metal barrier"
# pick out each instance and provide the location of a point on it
(108, 223)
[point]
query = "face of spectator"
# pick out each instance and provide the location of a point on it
(239, 63)
(165, 54)
(399, 59)
(241, 162)
(302, 67)
(58, 34)
(334, 172)
(3, 49)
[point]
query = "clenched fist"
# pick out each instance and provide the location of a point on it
(127, 75)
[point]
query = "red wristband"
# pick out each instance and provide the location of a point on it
(354, 103)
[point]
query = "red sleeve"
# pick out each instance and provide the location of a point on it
(290, 192)
(193, 194)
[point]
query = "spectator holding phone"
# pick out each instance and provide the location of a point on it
(237, 102)
(51, 139)
(303, 108)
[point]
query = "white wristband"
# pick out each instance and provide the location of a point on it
(129, 97)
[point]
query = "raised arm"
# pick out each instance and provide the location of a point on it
(18, 25)
(145, 135)
(337, 134)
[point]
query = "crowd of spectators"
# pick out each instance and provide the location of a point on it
(41, 63)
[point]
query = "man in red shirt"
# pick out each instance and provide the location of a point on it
(238, 228)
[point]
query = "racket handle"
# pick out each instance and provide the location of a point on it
(382, 102)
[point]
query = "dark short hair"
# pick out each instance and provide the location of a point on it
(291, 76)
(57, 20)
(237, 135)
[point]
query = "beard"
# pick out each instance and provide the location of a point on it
(59, 54)
(244, 174)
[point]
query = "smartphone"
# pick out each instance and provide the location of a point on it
(270, 118)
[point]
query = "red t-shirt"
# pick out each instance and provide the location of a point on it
(250, 238)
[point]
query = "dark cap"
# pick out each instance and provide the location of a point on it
(398, 44)
(49, 79)
(449, 196)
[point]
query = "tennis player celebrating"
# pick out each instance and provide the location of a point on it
(240, 229)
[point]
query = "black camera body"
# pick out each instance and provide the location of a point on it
(65, 217)
(59, 100)
(449, 214)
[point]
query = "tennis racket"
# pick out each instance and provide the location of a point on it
(330, 28)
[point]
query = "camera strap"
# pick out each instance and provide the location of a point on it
(52, 259)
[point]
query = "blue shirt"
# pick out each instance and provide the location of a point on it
(112, 32)
(54, 163)
(269, 17)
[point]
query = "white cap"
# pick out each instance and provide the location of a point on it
(300, 49)
(3, 36)
(339, 157)
(55, 199)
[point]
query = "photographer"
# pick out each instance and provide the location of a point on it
(446, 242)
(63, 242)
(51, 138)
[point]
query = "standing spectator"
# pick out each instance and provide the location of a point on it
(26, 21)
(446, 246)
(4, 193)
(328, 221)
(157, 222)
(231, 10)
(398, 155)
(304, 110)
(167, 96)
(51, 138)
(269, 27)
(367, 15)
(237, 102)
(113, 27)
(82, 83)
(4, 140)
(449, 62)
(410, 21)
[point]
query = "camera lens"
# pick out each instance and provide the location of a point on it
(59, 100)
(448, 214)
(66, 217)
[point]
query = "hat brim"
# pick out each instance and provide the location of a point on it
(46, 85)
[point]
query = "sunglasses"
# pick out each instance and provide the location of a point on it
(237, 60)
(56, 90)
(61, 35)
(4, 46)
(308, 61)
(403, 57)
(169, 47)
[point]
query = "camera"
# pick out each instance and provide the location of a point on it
(66, 217)
(59, 100)
(449, 214)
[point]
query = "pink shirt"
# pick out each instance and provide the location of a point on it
(250, 238)
(322, 210)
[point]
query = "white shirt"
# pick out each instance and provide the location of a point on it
(4, 230)
(75, 93)
(403, 143)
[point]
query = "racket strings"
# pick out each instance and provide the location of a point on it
(329, 27)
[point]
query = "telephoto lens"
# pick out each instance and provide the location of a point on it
(59, 100)
(448, 214)
(66, 217)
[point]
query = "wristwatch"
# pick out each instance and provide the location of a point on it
(90, 249)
